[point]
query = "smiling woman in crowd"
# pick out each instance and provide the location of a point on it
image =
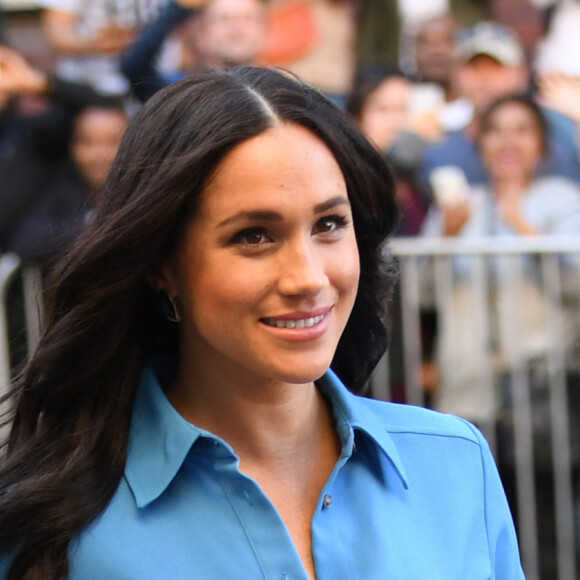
(515, 201)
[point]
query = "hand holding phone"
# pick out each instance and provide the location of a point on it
(449, 185)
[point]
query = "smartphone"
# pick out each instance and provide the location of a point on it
(425, 97)
(449, 185)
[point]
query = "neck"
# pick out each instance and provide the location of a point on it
(510, 183)
(263, 421)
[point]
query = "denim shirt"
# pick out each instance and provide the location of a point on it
(414, 495)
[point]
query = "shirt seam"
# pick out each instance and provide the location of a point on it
(433, 434)
(484, 494)
(485, 510)
(245, 528)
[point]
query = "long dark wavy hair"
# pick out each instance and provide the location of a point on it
(72, 405)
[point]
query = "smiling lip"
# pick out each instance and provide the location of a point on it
(301, 325)
(508, 156)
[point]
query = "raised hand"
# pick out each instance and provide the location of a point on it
(560, 92)
(509, 206)
(455, 216)
(17, 76)
(112, 39)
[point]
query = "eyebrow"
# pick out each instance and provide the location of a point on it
(274, 216)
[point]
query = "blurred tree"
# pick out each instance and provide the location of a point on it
(378, 33)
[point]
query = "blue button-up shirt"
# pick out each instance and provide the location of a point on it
(415, 495)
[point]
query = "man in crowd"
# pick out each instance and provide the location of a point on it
(225, 33)
(435, 52)
(490, 63)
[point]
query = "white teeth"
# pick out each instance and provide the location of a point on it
(302, 323)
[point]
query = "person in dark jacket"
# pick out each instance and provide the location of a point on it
(52, 167)
(55, 162)
(229, 33)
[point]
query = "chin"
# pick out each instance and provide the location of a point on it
(304, 375)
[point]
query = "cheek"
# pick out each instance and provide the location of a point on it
(488, 144)
(80, 153)
(532, 148)
(350, 278)
(367, 122)
(464, 80)
(378, 127)
(345, 270)
(219, 289)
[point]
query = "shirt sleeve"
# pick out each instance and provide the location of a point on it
(138, 63)
(502, 539)
(567, 208)
(553, 206)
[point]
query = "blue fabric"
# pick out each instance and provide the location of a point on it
(415, 495)
(563, 128)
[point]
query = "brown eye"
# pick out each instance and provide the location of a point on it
(251, 236)
(330, 223)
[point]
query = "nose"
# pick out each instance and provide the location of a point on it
(301, 269)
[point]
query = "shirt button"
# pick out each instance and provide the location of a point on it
(327, 501)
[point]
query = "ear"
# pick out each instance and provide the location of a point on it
(161, 276)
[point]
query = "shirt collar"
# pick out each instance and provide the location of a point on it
(353, 412)
(160, 438)
(159, 441)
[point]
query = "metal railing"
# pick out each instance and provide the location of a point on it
(505, 348)
(30, 302)
(9, 265)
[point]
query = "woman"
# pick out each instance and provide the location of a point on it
(56, 159)
(53, 164)
(513, 145)
(213, 441)
(68, 181)
(514, 202)
(399, 121)
(379, 105)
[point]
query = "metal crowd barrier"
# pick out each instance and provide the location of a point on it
(31, 305)
(508, 332)
(506, 349)
(9, 264)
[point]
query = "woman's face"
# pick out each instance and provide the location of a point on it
(96, 137)
(267, 271)
(385, 112)
(511, 144)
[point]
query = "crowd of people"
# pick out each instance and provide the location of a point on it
(423, 116)
(191, 407)
(481, 133)
(480, 129)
